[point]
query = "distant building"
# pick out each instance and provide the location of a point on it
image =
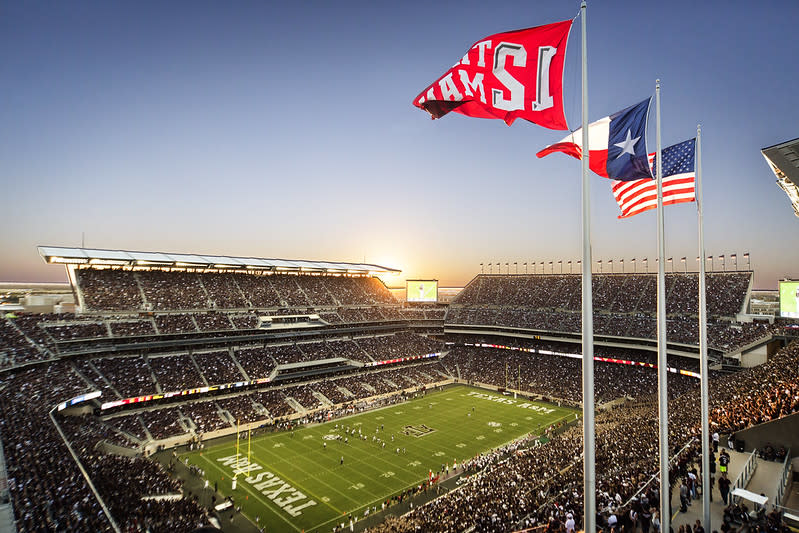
(783, 159)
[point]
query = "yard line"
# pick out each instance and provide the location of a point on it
(333, 472)
(257, 496)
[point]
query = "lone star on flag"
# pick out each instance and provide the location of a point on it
(627, 145)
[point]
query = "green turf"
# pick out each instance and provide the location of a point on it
(291, 470)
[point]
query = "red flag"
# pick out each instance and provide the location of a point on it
(506, 76)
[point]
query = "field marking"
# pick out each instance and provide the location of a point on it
(387, 489)
(256, 495)
(375, 497)
(302, 487)
(389, 463)
(418, 449)
(421, 447)
(324, 499)
(318, 478)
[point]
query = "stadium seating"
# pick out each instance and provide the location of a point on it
(158, 290)
(624, 305)
(47, 359)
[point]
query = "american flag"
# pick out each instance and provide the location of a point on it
(679, 174)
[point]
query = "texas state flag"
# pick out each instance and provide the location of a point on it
(616, 144)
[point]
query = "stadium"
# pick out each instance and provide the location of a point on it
(253, 394)
(245, 282)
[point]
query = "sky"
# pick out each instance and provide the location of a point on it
(287, 130)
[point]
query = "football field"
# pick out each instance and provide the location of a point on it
(312, 478)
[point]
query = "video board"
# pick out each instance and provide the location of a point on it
(420, 290)
(789, 299)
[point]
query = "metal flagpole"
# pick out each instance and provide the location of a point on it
(589, 473)
(663, 412)
(703, 362)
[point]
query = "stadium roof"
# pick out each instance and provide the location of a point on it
(91, 256)
(783, 159)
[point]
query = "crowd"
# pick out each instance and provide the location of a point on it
(175, 372)
(217, 367)
(614, 293)
(624, 305)
(519, 486)
(48, 491)
(535, 373)
(524, 490)
(156, 290)
(722, 335)
(15, 348)
(761, 394)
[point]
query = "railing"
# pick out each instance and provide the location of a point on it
(657, 474)
(786, 471)
(746, 473)
(99, 498)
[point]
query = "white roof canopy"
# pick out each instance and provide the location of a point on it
(91, 256)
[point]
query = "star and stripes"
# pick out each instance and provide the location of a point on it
(679, 185)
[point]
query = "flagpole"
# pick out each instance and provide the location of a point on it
(663, 413)
(703, 362)
(589, 473)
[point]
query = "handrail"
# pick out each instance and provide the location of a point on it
(786, 469)
(746, 473)
(657, 474)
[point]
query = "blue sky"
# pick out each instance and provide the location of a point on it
(286, 129)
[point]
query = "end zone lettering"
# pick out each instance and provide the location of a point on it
(498, 399)
(278, 491)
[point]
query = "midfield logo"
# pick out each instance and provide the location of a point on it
(417, 431)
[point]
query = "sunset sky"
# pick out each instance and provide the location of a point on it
(286, 129)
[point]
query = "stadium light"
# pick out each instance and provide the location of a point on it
(70, 261)
(96, 261)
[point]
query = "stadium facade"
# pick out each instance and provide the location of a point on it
(783, 160)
